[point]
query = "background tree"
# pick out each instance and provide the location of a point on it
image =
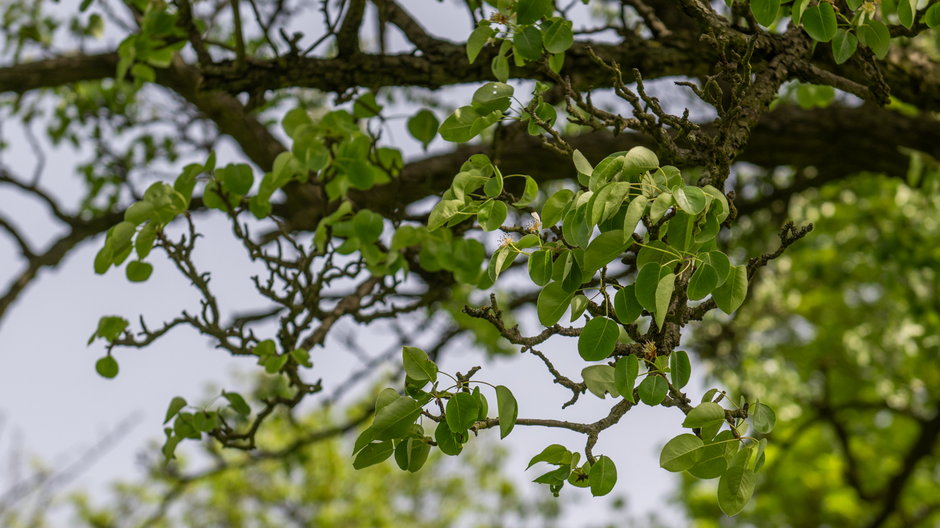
(634, 215)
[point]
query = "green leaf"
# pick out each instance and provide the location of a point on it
(690, 199)
(635, 212)
(492, 214)
(625, 372)
(138, 212)
(554, 454)
(876, 36)
(606, 201)
(447, 441)
(423, 126)
(681, 453)
(373, 454)
(603, 476)
(703, 282)
(145, 240)
(764, 418)
(653, 389)
(602, 251)
(720, 262)
(480, 36)
(626, 306)
(555, 207)
(494, 186)
(736, 485)
(411, 454)
(107, 367)
(443, 212)
(237, 178)
(558, 36)
(461, 412)
(731, 294)
(508, 410)
(664, 291)
(530, 191)
(367, 225)
(572, 276)
(458, 127)
(527, 43)
(237, 402)
(578, 304)
(796, 12)
(530, 11)
(704, 414)
(843, 46)
(397, 415)
(646, 282)
(552, 303)
(661, 204)
(820, 22)
(176, 404)
(599, 379)
(906, 9)
(110, 327)
(598, 339)
(492, 96)
(138, 271)
(679, 368)
(638, 160)
(540, 267)
(500, 67)
(765, 11)
(417, 364)
(932, 16)
(366, 106)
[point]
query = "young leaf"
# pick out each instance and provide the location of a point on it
(578, 305)
(396, 416)
(679, 368)
(638, 160)
(107, 367)
(653, 390)
(690, 199)
(458, 127)
(731, 294)
(603, 476)
(138, 271)
(508, 410)
(492, 215)
(704, 414)
(540, 267)
(598, 339)
(582, 165)
(625, 373)
(681, 453)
